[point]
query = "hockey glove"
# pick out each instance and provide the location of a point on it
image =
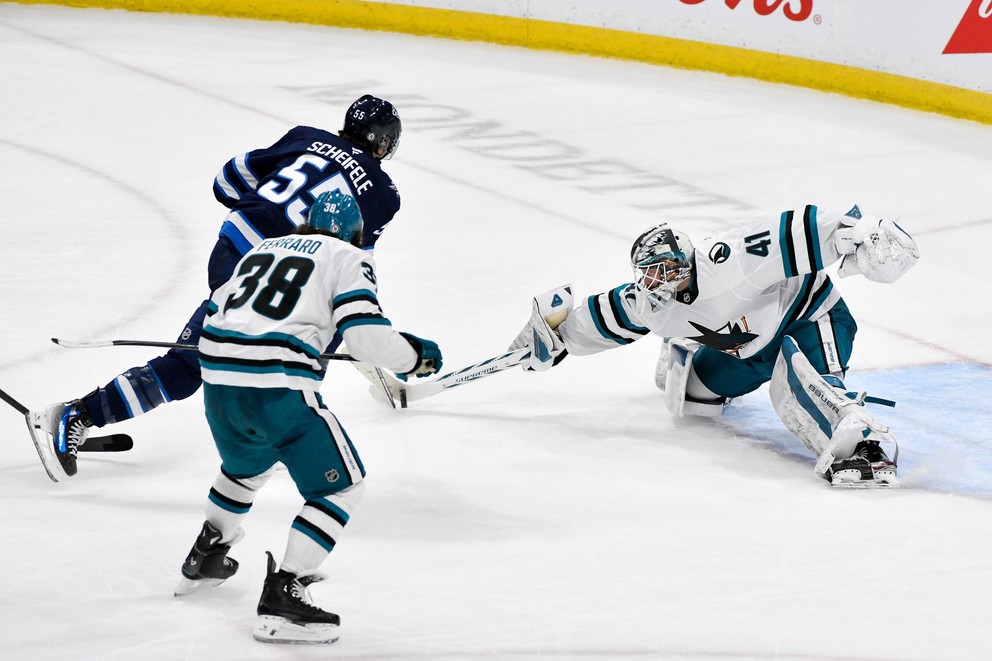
(548, 311)
(428, 356)
(878, 249)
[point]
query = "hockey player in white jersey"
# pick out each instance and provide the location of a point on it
(750, 306)
(260, 359)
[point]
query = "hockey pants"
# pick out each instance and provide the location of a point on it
(253, 429)
(826, 342)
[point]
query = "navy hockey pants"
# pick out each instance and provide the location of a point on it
(827, 346)
(172, 376)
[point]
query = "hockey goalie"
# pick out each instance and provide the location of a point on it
(750, 306)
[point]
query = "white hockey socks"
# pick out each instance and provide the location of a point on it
(318, 528)
(230, 500)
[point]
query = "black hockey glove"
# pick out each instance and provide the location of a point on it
(428, 356)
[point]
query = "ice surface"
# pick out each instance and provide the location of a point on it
(561, 515)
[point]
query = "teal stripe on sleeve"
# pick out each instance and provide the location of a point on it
(351, 322)
(622, 313)
(355, 295)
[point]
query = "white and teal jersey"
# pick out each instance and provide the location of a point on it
(748, 285)
(267, 327)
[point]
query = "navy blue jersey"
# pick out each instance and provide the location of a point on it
(269, 191)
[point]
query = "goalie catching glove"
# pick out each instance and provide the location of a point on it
(548, 311)
(428, 356)
(878, 249)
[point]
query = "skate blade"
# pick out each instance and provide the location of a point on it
(279, 630)
(37, 427)
(883, 480)
(187, 586)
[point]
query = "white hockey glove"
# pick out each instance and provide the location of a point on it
(878, 249)
(547, 349)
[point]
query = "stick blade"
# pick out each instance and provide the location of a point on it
(108, 443)
(79, 344)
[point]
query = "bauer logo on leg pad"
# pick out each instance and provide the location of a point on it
(806, 404)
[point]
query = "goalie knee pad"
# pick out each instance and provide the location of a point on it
(672, 376)
(820, 411)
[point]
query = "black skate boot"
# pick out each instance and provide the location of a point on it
(57, 432)
(207, 564)
(286, 614)
(869, 466)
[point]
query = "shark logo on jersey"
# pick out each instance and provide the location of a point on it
(729, 338)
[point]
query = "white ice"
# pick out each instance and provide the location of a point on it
(561, 515)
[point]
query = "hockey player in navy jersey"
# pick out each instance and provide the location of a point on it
(268, 192)
(260, 359)
(747, 307)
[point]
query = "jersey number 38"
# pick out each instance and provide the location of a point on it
(281, 292)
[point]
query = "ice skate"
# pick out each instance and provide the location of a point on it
(207, 564)
(57, 432)
(868, 467)
(286, 613)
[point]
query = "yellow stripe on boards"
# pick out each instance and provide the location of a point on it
(545, 35)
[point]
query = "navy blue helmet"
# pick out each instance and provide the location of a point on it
(374, 125)
(337, 214)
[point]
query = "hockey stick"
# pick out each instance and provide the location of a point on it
(380, 387)
(96, 344)
(20, 408)
(411, 392)
(552, 306)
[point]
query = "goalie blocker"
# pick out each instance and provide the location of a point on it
(548, 311)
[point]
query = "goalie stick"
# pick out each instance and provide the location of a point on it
(411, 392)
(108, 443)
(96, 344)
(550, 309)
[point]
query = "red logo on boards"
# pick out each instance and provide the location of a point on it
(768, 7)
(974, 33)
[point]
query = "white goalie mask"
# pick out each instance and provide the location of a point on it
(662, 263)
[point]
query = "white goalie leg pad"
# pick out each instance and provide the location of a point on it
(828, 422)
(672, 375)
(548, 311)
